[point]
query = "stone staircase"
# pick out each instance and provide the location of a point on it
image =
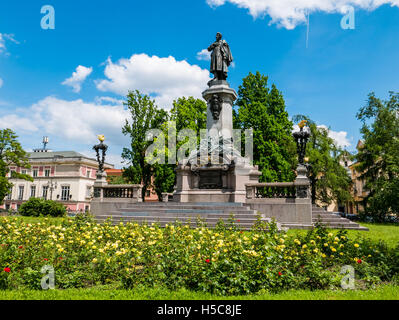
(334, 221)
(164, 213)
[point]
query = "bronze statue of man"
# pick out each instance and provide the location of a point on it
(221, 58)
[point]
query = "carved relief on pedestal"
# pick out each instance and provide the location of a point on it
(216, 103)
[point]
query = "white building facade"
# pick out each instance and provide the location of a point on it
(66, 177)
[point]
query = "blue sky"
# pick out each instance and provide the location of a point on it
(159, 42)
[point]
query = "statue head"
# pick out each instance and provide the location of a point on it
(218, 36)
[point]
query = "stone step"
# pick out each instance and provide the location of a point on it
(333, 221)
(182, 214)
(174, 218)
(185, 210)
(296, 226)
(243, 225)
(189, 204)
(329, 220)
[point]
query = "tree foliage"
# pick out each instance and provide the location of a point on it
(187, 113)
(11, 153)
(378, 158)
(330, 181)
(263, 110)
(145, 115)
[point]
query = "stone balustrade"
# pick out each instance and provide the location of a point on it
(272, 190)
(118, 191)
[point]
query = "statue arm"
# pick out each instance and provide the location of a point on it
(212, 46)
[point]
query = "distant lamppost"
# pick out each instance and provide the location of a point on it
(52, 186)
(45, 142)
(301, 138)
(101, 150)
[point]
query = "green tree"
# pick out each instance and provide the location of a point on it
(117, 180)
(378, 158)
(187, 113)
(263, 110)
(145, 115)
(11, 153)
(329, 179)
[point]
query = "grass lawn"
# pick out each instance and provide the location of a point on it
(386, 232)
(55, 221)
(381, 293)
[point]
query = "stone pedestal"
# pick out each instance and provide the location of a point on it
(216, 171)
(303, 183)
(220, 98)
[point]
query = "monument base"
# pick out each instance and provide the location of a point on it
(216, 171)
(210, 184)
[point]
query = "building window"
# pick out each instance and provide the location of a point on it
(24, 171)
(88, 191)
(88, 173)
(7, 207)
(45, 192)
(35, 173)
(9, 194)
(33, 191)
(148, 193)
(65, 190)
(47, 173)
(21, 193)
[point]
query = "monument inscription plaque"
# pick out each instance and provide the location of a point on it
(210, 179)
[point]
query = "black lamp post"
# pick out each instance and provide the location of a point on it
(301, 138)
(101, 147)
(302, 182)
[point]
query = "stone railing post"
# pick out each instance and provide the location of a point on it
(302, 183)
(165, 197)
(251, 191)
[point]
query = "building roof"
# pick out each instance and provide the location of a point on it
(61, 155)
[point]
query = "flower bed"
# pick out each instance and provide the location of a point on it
(222, 261)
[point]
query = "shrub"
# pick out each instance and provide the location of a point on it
(36, 207)
(226, 261)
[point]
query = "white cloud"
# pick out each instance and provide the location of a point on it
(101, 100)
(1, 82)
(6, 37)
(17, 123)
(290, 13)
(76, 120)
(165, 79)
(340, 137)
(78, 77)
(204, 54)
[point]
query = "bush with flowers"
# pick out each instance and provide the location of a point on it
(223, 260)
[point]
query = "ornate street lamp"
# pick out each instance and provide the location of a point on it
(45, 142)
(302, 182)
(52, 186)
(301, 138)
(101, 147)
